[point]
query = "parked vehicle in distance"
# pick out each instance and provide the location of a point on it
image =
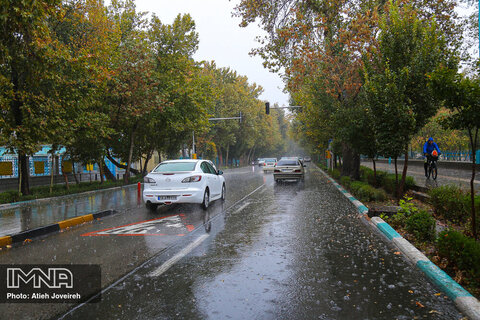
(270, 164)
(307, 159)
(261, 162)
(183, 181)
(289, 169)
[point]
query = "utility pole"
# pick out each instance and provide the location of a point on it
(214, 119)
(268, 108)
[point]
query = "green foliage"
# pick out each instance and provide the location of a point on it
(60, 190)
(450, 202)
(397, 220)
(407, 209)
(407, 206)
(460, 250)
(335, 173)
(365, 192)
(345, 181)
(422, 225)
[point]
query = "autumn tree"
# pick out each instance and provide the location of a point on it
(31, 96)
(320, 44)
(461, 95)
(397, 79)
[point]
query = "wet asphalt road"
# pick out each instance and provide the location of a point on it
(270, 251)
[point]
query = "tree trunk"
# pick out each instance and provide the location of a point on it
(226, 156)
(473, 145)
(108, 173)
(74, 173)
(130, 155)
(65, 177)
(100, 167)
(149, 156)
(220, 158)
(374, 172)
(396, 179)
(249, 154)
(52, 172)
(351, 163)
(401, 188)
(24, 177)
(119, 165)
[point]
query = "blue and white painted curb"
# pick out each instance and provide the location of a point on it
(464, 301)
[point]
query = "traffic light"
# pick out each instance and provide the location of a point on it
(267, 107)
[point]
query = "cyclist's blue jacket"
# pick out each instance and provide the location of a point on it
(428, 148)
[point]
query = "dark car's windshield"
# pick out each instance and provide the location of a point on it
(175, 166)
(287, 163)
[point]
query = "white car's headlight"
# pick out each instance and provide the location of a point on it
(148, 180)
(192, 179)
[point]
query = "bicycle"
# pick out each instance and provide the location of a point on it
(432, 167)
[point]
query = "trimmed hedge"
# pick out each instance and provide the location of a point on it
(61, 190)
(422, 225)
(335, 173)
(460, 250)
(452, 202)
(365, 192)
(384, 179)
(345, 181)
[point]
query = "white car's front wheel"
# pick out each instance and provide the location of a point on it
(206, 200)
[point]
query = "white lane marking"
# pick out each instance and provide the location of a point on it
(241, 208)
(170, 262)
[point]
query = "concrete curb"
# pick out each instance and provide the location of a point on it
(464, 301)
(41, 231)
(13, 205)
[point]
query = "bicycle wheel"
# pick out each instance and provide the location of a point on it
(429, 171)
(434, 171)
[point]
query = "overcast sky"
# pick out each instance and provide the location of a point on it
(222, 40)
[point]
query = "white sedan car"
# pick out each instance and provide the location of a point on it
(183, 181)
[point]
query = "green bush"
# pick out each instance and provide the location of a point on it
(379, 195)
(9, 196)
(460, 250)
(407, 208)
(396, 221)
(450, 202)
(60, 190)
(345, 181)
(422, 225)
(365, 192)
(335, 173)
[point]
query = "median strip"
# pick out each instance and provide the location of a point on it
(41, 231)
(464, 301)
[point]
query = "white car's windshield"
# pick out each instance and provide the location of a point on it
(175, 166)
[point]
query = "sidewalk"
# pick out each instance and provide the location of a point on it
(446, 176)
(37, 213)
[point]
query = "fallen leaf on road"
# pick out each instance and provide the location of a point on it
(419, 304)
(438, 294)
(397, 253)
(410, 291)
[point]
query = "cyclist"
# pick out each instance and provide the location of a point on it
(431, 153)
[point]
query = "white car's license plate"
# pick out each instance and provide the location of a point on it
(167, 197)
(286, 170)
